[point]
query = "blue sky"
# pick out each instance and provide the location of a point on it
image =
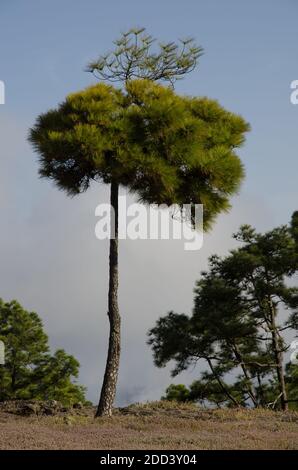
(250, 59)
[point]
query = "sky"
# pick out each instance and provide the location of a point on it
(51, 261)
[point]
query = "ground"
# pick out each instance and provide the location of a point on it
(160, 425)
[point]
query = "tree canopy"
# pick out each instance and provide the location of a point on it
(166, 148)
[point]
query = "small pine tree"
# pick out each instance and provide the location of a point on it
(30, 371)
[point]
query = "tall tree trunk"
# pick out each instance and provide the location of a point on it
(278, 355)
(108, 390)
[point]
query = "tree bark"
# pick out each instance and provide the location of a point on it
(108, 391)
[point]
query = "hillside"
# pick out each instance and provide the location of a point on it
(160, 425)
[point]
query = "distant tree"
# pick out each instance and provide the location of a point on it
(30, 372)
(178, 393)
(262, 266)
(53, 379)
(220, 332)
(165, 148)
(242, 306)
(206, 392)
(210, 337)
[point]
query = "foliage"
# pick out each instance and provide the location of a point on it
(178, 393)
(242, 306)
(292, 384)
(165, 148)
(30, 372)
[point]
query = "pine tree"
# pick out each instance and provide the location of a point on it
(165, 148)
(242, 306)
(30, 371)
(262, 267)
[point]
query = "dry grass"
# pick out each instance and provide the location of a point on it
(160, 425)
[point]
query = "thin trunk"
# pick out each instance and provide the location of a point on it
(261, 390)
(278, 354)
(13, 374)
(250, 390)
(108, 391)
(13, 381)
(217, 378)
